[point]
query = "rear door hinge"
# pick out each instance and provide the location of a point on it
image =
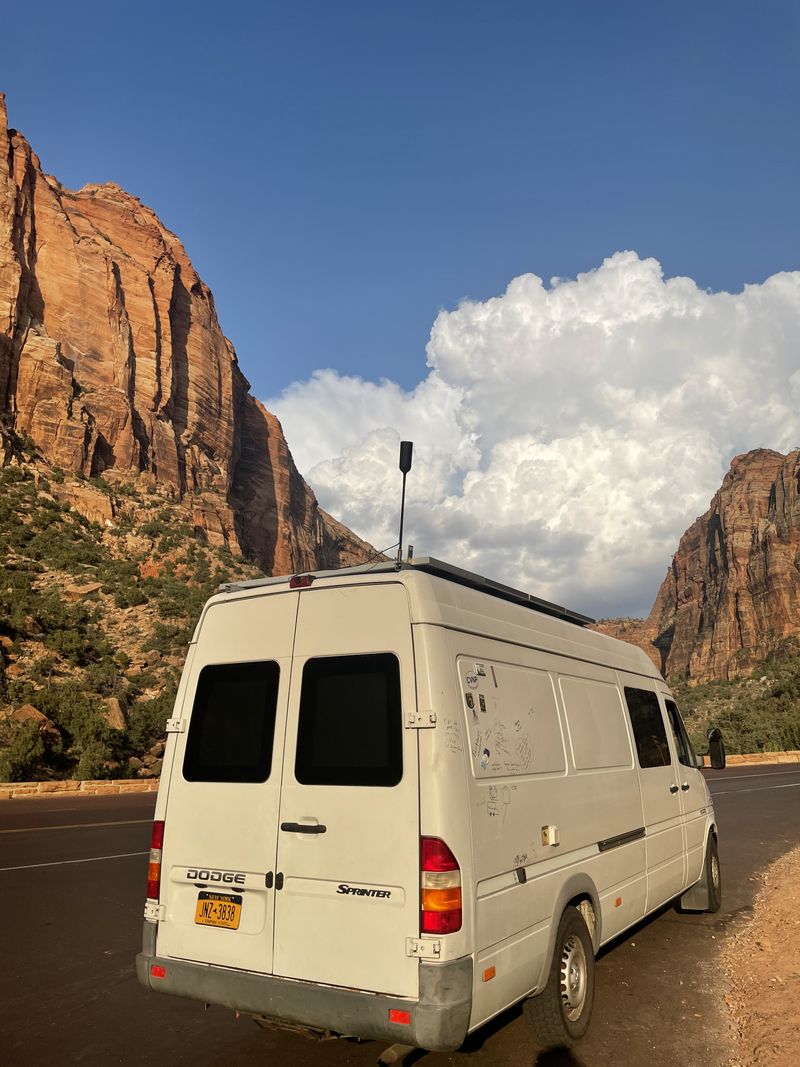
(427, 949)
(154, 912)
(420, 720)
(176, 726)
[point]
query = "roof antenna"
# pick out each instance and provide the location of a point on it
(406, 449)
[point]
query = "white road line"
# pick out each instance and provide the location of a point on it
(756, 789)
(74, 826)
(61, 863)
(735, 777)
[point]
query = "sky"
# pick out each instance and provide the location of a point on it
(555, 245)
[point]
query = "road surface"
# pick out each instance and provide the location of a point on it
(72, 888)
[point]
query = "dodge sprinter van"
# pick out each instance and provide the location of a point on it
(396, 800)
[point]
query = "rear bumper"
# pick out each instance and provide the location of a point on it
(439, 1018)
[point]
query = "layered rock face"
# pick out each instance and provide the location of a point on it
(731, 598)
(111, 356)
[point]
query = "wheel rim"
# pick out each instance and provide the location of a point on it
(573, 978)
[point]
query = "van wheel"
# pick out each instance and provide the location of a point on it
(713, 876)
(560, 1014)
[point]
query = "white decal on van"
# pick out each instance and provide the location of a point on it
(472, 680)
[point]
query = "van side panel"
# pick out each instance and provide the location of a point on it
(526, 717)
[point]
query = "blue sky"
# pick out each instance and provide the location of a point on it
(340, 171)
(367, 186)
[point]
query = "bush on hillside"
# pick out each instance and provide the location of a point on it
(24, 754)
(147, 719)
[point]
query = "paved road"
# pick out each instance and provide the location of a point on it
(72, 880)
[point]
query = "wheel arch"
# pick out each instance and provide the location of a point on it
(577, 890)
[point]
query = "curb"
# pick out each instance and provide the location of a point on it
(759, 757)
(106, 787)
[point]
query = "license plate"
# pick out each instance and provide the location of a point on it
(218, 909)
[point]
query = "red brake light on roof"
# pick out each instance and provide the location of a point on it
(440, 883)
(301, 581)
(154, 863)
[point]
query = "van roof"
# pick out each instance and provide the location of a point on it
(430, 565)
(444, 595)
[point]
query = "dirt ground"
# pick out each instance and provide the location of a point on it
(762, 960)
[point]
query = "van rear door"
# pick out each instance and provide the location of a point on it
(220, 835)
(348, 840)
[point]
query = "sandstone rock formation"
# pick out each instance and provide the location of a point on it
(731, 598)
(111, 357)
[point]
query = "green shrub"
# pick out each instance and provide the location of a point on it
(22, 758)
(91, 765)
(129, 596)
(147, 719)
(165, 638)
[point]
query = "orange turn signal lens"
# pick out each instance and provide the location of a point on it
(441, 899)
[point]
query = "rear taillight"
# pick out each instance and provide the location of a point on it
(440, 881)
(154, 863)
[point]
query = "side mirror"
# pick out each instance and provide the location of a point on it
(700, 761)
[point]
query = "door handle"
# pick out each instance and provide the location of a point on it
(303, 828)
(672, 789)
(685, 786)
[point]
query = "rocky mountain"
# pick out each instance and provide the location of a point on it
(731, 598)
(112, 358)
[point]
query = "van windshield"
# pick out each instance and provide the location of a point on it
(233, 723)
(350, 729)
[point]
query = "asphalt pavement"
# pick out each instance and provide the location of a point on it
(72, 888)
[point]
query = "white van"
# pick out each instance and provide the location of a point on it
(396, 800)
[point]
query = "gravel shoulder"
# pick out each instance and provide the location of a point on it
(761, 957)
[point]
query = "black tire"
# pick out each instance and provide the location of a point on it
(713, 876)
(560, 1014)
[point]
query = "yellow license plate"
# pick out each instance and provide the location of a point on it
(218, 909)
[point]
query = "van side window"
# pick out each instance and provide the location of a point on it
(649, 734)
(350, 729)
(596, 724)
(683, 745)
(233, 723)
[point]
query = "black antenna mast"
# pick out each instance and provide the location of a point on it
(406, 449)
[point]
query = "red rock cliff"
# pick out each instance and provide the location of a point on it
(732, 595)
(111, 355)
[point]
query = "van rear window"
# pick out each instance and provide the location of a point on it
(350, 729)
(649, 733)
(233, 723)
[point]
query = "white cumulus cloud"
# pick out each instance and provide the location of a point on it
(566, 434)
